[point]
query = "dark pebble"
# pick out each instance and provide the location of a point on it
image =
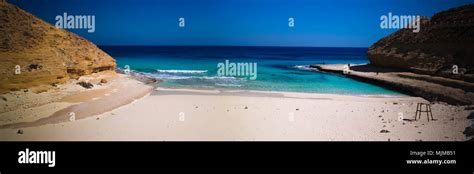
(86, 85)
(469, 131)
(471, 116)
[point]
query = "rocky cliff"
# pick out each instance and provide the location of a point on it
(34, 53)
(445, 40)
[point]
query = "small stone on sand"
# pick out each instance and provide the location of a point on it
(86, 85)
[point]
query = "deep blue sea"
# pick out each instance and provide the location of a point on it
(278, 68)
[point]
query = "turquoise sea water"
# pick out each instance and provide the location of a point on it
(278, 68)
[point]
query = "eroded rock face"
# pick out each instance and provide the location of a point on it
(44, 54)
(445, 40)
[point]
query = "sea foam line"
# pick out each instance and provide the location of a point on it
(182, 71)
(304, 67)
(178, 77)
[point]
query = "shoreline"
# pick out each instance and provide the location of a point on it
(77, 99)
(221, 91)
(216, 115)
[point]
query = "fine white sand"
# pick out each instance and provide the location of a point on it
(185, 114)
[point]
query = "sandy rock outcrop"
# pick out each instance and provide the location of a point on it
(35, 53)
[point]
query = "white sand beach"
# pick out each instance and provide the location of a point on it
(126, 109)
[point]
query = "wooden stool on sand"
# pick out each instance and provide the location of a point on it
(420, 109)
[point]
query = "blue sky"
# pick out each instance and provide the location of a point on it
(330, 23)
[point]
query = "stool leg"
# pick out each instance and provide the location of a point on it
(431, 113)
(416, 113)
(419, 112)
(427, 114)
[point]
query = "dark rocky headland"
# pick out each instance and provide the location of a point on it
(422, 63)
(445, 40)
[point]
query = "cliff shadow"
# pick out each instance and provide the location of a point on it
(372, 68)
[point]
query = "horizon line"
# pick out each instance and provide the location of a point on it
(236, 46)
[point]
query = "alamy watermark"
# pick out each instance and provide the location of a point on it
(66, 21)
(455, 69)
(392, 21)
(181, 22)
(240, 69)
(28, 156)
(291, 22)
